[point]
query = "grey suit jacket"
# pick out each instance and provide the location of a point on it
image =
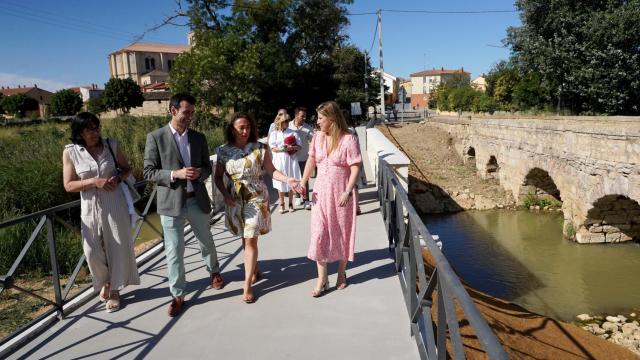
(161, 156)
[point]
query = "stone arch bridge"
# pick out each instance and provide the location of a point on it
(590, 164)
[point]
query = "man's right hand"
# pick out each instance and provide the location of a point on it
(187, 173)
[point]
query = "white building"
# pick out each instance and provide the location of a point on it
(425, 82)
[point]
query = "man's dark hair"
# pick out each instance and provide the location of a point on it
(298, 109)
(228, 129)
(180, 97)
(81, 122)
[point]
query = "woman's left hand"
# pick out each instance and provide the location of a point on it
(344, 197)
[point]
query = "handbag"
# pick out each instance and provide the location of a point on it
(130, 180)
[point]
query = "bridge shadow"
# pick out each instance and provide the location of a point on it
(431, 198)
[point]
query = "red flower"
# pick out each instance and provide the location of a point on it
(290, 141)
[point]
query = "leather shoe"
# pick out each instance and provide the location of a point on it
(216, 281)
(176, 306)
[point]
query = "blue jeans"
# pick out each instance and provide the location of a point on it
(173, 227)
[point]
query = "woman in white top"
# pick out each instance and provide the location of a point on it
(284, 143)
(90, 169)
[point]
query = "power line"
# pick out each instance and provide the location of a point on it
(373, 41)
(30, 17)
(50, 18)
(451, 12)
(24, 9)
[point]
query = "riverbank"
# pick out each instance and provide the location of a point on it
(526, 335)
(439, 181)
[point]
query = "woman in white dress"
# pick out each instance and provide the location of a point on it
(89, 167)
(284, 143)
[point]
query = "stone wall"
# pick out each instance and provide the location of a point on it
(591, 164)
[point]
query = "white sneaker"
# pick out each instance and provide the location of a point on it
(307, 205)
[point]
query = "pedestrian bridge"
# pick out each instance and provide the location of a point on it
(375, 317)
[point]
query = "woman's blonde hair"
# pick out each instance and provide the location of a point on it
(332, 112)
(280, 118)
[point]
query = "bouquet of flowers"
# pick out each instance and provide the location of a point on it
(290, 141)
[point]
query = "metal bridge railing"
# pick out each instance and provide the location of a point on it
(62, 304)
(405, 229)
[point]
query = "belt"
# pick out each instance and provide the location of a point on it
(190, 194)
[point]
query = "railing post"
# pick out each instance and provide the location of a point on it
(54, 266)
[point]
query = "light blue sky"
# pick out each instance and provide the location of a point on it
(58, 44)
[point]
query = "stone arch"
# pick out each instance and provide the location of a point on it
(469, 156)
(538, 182)
(492, 168)
(613, 218)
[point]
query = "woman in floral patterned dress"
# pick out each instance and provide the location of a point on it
(244, 160)
(336, 153)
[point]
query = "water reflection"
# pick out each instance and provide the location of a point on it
(521, 257)
(147, 233)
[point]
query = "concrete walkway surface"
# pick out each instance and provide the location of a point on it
(367, 320)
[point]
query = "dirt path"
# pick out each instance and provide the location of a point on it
(437, 174)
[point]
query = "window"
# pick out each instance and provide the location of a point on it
(170, 63)
(149, 64)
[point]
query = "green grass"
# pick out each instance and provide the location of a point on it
(31, 180)
(542, 202)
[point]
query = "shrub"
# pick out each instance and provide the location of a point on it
(65, 102)
(535, 200)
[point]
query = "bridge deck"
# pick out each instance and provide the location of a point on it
(368, 320)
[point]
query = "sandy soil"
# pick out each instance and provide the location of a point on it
(437, 172)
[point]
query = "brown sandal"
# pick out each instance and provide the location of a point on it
(248, 298)
(341, 283)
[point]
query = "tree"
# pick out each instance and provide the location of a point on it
(352, 69)
(19, 104)
(122, 94)
(1, 108)
(96, 105)
(586, 53)
(265, 55)
(454, 94)
(65, 102)
(503, 90)
(529, 93)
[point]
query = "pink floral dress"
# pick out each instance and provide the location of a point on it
(333, 228)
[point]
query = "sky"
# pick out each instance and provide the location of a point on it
(65, 43)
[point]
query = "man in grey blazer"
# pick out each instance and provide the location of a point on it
(177, 159)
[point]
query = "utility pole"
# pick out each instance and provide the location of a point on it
(366, 86)
(381, 66)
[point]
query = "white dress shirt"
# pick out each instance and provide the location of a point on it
(185, 151)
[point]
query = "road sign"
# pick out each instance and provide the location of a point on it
(355, 109)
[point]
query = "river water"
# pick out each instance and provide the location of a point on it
(521, 256)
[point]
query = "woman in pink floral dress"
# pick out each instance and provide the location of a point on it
(336, 153)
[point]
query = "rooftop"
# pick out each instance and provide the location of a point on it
(155, 47)
(441, 71)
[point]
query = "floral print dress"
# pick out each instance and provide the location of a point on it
(250, 216)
